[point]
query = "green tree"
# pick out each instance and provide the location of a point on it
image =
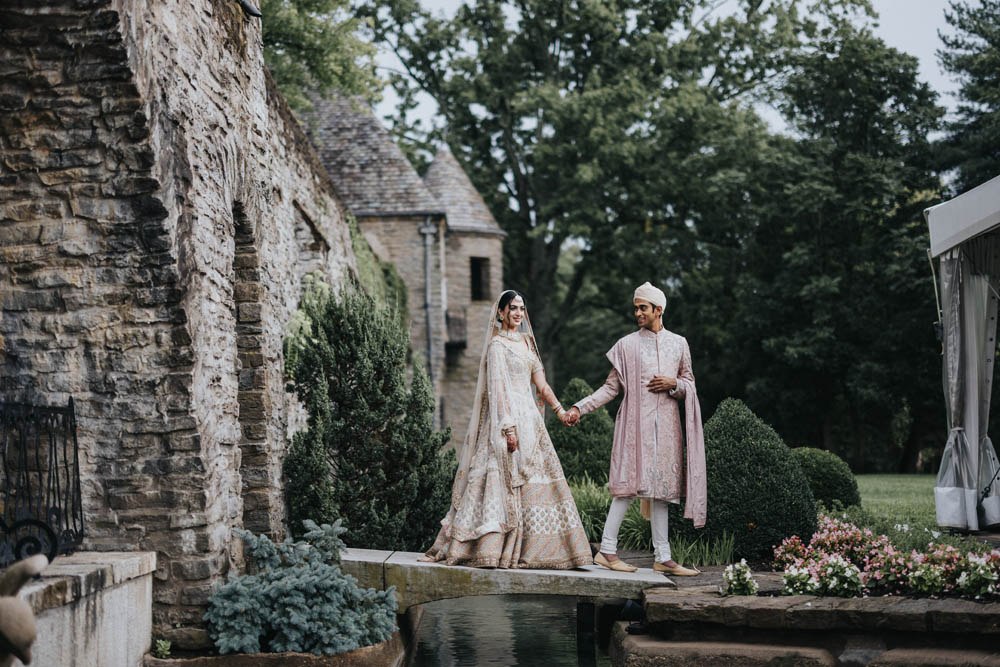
(369, 454)
(316, 46)
(972, 54)
(835, 314)
(572, 119)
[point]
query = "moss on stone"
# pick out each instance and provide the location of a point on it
(378, 278)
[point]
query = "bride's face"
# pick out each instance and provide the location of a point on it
(513, 313)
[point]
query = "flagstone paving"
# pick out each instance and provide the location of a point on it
(417, 582)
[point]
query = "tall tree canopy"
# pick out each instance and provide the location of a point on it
(618, 142)
(574, 119)
(316, 46)
(972, 54)
(837, 307)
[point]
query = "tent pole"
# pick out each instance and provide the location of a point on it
(937, 298)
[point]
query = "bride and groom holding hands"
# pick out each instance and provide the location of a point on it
(511, 506)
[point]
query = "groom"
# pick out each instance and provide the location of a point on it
(653, 367)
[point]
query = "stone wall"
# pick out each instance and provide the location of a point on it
(158, 209)
(462, 367)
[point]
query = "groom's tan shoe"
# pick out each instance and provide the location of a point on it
(676, 570)
(618, 565)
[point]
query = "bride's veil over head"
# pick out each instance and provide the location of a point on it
(480, 411)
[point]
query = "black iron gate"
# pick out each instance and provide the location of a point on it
(40, 507)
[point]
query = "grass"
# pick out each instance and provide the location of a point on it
(593, 500)
(902, 508)
(905, 498)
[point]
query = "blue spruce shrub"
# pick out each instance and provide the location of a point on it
(298, 599)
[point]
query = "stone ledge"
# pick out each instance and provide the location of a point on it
(924, 657)
(70, 578)
(646, 651)
(805, 612)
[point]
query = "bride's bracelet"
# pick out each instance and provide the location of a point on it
(510, 430)
(558, 409)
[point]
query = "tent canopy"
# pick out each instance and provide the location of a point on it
(965, 236)
(964, 217)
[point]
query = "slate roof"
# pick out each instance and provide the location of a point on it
(463, 205)
(369, 171)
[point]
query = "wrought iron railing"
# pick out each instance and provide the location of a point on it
(40, 505)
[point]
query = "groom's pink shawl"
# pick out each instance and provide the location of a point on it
(625, 356)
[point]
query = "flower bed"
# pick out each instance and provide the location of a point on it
(846, 561)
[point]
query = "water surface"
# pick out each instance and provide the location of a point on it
(503, 631)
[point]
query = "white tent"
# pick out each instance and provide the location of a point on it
(965, 236)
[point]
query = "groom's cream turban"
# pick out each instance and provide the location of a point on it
(647, 292)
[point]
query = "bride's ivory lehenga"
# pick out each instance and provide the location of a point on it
(511, 510)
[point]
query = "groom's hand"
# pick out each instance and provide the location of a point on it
(661, 383)
(570, 417)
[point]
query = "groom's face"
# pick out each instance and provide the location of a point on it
(646, 314)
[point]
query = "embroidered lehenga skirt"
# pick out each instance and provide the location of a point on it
(546, 533)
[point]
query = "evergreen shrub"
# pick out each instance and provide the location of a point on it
(298, 599)
(369, 454)
(829, 476)
(585, 449)
(757, 493)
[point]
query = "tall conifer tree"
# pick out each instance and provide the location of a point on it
(370, 454)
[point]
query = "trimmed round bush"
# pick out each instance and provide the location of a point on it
(757, 493)
(585, 449)
(829, 476)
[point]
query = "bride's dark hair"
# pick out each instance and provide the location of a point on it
(507, 297)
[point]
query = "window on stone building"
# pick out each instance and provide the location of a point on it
(480, 278)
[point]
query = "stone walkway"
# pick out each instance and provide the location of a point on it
(710, 577)
(418, 582)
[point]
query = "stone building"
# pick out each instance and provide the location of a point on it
(436, 231)
(159, 206)
(159, 209)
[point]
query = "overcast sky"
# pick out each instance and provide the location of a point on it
(908, 25)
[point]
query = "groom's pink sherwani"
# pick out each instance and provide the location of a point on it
(647, 458)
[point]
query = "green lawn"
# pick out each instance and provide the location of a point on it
(902, 507)
(903, 498)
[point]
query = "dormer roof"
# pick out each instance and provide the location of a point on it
(463, 205)
(369, 171)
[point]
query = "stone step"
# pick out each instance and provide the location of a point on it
(806, 612)
(925, 657)
(646, 651)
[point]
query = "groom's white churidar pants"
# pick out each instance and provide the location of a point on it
(659, 518)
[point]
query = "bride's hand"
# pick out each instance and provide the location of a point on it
(512, 442)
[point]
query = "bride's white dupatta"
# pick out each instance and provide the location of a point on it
(491, 413)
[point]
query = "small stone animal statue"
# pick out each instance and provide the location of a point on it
(17, 621)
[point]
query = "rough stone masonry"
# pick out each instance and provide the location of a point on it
(159, 208)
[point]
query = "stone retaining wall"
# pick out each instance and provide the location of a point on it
(808, 630)
(159, 207)
(93, 610)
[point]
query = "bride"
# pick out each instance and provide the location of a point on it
(510, 504)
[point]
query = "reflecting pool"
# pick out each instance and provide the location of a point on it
(503, 631)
